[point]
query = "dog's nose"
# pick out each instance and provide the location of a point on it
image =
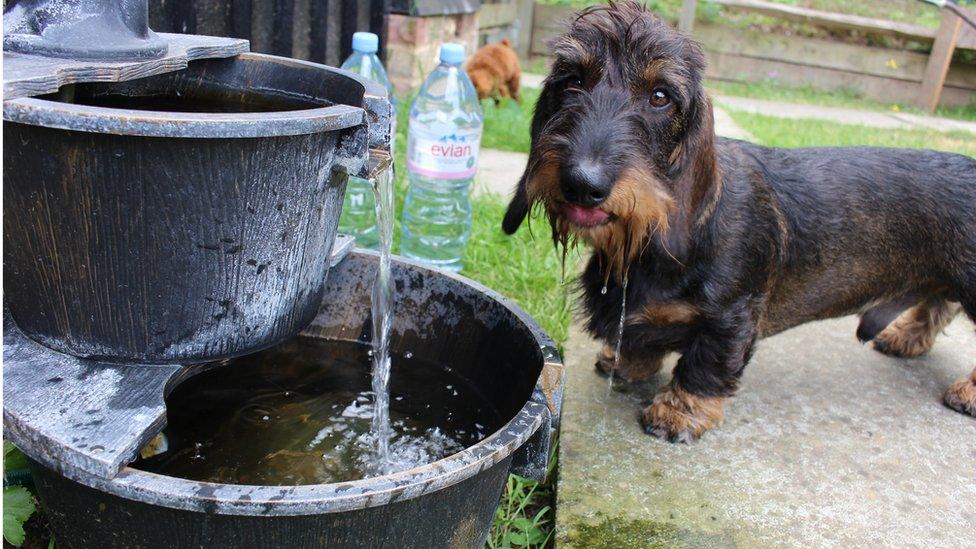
(585, 184)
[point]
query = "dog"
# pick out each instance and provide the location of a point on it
(720, 242)
(494, 70)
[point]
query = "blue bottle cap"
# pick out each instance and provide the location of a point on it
(452, 53)
(365, 42)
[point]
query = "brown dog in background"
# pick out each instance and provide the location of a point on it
(494, 70)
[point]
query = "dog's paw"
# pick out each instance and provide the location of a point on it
(913, 333)
(903, 342)
(605, 361)
(961, 396)
(629, 370)
(679, 416)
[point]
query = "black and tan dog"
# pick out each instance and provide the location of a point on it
(721, 242)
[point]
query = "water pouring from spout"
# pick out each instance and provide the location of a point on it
(382, 312)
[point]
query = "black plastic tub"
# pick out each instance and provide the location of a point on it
(182, 217)
(450, 503)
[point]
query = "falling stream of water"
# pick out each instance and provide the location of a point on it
(620, 336)
(382, 313)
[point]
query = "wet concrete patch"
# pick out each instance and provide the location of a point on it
(618, 533)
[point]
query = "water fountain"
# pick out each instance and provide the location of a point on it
(170, 210)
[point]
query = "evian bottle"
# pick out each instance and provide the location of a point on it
(358, 208)
(442, 158)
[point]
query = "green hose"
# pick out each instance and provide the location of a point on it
(18, 477)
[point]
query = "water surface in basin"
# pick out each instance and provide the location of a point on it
(200, 101)
(300, 413)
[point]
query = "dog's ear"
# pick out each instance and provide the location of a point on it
(505, 42)
(518, 208)
(693, 162)
(694, 173)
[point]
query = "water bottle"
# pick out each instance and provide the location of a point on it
(442, 157)
(358, 213)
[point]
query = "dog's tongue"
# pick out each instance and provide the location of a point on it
(587, 217)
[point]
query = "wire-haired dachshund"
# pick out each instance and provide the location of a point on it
(719, 242)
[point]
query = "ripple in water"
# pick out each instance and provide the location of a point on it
(301, 413)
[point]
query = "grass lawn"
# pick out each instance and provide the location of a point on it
(507, 124)
(907, 11)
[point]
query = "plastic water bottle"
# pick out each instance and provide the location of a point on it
(442, 157)
(358, 213)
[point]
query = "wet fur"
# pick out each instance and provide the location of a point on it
(723, 242)
(495, 72)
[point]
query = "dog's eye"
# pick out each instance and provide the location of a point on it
(574, 82)
(660, 98)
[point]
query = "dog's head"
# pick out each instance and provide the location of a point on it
(482, 81)
(622, 137)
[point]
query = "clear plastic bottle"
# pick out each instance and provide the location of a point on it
(358, 213)
(442, 156)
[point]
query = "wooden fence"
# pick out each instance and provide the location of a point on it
(512, 19)
(498, 19)
(737, 55)
(316, 30)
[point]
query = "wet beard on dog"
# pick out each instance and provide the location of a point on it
(636, 209)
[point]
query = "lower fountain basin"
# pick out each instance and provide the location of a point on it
(440, 318)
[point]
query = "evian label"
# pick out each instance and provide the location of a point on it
(451, 156)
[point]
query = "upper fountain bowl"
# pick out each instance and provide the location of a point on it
(183, 217)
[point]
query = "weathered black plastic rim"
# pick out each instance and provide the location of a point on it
(87, 118)
(239, 499)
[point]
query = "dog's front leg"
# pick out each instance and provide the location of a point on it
(629, 368)
(706, 375)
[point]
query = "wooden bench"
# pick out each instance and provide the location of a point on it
(951, 34)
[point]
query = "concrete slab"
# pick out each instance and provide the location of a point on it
(498, 172)
(726, 127)
(530, 80)
(840, 115)
(828, 443)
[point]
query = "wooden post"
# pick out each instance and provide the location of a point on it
(687, 21)
(525, 14)
(939, 60)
